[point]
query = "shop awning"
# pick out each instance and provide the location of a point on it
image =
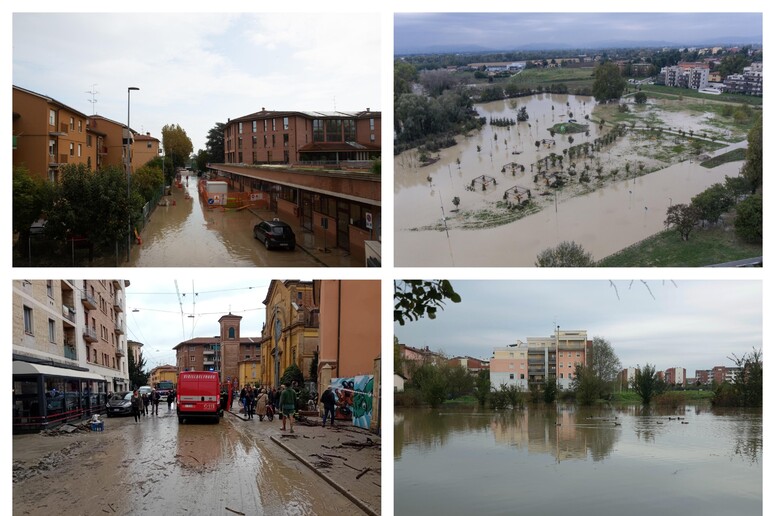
(20, 367)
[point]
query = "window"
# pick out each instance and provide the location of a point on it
(240, 127)
(333, 130)
(80, 150)
(265, 141)
(231, 332)
(72, 149)
(349, 131)
(72, 123)
(265, 122)
(50, 288)
(239, 143)
(577, 354)
(51, 117)
(193, 359)
(569, 375)
(88, 140)
(255, 126)
(273, 124)
(255, 140)
(318, 133)
(371, 124)
(285, 123)
(510, 365)
(273, 140)
(80, 126)
(51, 330)
(28, 327)
(51, 147)
(285, 139)
(521, 376)
(511, 376)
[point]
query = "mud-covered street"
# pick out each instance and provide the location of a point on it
(159, 466)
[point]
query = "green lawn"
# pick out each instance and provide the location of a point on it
(654, 90)
(572, 77)
(666, 249)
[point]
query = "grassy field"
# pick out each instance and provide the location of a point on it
(655, 91)
(666, 249)
(734, 155)
(573, 78)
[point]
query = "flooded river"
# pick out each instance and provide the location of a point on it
(188, 235)
(603, 221)
(580, 461)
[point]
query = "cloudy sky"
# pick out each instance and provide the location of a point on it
(685, 323)
(155, 317)
(418, 32)
(199, 69)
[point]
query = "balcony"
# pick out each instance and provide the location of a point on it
(118, 284)
(208, 361)
(120, 352)
(69, 314)
(118, 306)
(90, 334)
(69, 352)
(89, 303)
(119, 330)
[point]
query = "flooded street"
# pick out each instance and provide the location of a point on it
(188, 235)
(159, 466)
(583, 461)
(618, 213)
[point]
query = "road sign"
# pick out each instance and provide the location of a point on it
(369, 221)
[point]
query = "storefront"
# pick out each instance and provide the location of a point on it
(45, 395)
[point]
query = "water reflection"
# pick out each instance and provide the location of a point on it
(553, 460)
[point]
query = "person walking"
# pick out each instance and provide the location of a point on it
(145, 403)
(242, 396)
(250, 402)
(329, 403)
(136, 403)
(287, 405)
(260, 404)
(155, 399)
(170, 399)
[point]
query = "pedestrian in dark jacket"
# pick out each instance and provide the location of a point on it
(145, 403)
(329, 403)
(136, 404)
(155, 399)
(170, 399)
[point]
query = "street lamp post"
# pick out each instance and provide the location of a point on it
(128, 169)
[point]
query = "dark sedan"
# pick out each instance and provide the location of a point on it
(120, 404)
(275, 233)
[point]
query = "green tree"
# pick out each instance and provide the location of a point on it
(148, 181)
(433, 385)
(737, 187)
(586, 384)
(483, 386)
(753, 167)
(549, 390)
(749, 381)
(713, 202)
(732, 64)
(640, 98)
(604, 361)
(177, 144)
(647, 383)
(404, 74)
(608, 83)
(214, 146)
(31, 196)
(459, 381)
(749, 219)
(137, 376)
(566, 254)
(414, 299)
(682, 217)
(291, 374)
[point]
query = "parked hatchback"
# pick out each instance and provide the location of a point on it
(120, 404)
(275, 233)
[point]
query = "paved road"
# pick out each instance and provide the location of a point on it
(159, 466)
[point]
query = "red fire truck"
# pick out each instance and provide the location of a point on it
(198, 395)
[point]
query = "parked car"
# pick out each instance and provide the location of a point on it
(120, 404)
(145, 389)
(275, 233)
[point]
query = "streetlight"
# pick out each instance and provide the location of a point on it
(128, 169)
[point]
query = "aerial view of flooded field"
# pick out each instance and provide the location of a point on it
(567, 173)
(522, 139)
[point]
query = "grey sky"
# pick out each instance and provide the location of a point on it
(503, 31)
(198, 69)
(159, 325)
(692, 324)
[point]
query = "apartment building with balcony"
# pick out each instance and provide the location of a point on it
(675, 376)
(685, 75)
(509, 366)
(69, 348)
(749, 82)
(48, 134)
(293, 137)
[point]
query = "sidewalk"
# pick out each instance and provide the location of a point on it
(306, 241)
(347, 457)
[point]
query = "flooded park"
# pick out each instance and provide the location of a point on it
(583, 461)
(496, 189)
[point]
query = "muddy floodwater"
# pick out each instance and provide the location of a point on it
(604, 217)
(571, 460)
(159, 466)
(187, 234)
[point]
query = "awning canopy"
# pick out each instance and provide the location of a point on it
(20, 367)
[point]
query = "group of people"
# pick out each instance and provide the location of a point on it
(142, 403)
(255, 400)
(259, 401)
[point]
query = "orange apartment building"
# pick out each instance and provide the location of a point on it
(163, 373)
(48, 134)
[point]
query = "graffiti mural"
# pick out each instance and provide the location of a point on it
(354, 399)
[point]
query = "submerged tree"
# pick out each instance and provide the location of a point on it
(566, 254)
(647, 383)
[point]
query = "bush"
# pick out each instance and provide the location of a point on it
(408, 398)
(749, 219)
(671, 399)
(566, 254)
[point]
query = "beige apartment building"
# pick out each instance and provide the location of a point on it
(69, 348)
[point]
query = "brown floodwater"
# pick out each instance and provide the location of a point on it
(188, 235)
(603, 221)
